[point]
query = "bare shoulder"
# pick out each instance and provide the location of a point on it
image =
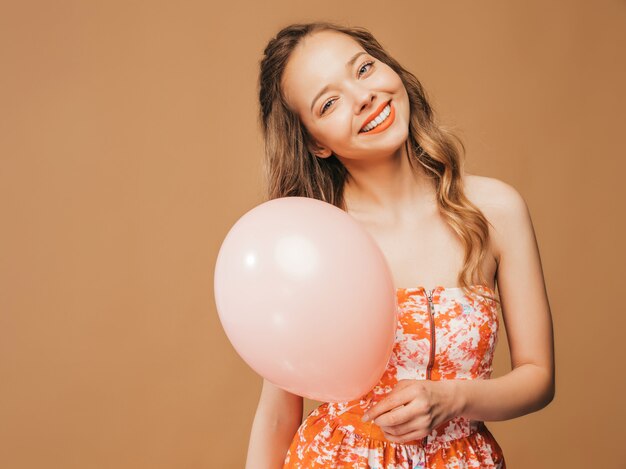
(501, 203)
(493, 195)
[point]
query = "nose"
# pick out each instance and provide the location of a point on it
(364, 99)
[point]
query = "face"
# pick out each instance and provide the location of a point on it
(336, 89)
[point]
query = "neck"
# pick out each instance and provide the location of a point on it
(390, 185)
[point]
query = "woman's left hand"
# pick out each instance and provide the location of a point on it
(414, 408)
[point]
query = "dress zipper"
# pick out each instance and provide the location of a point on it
(431, 359)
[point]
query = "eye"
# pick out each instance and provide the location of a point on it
(371, 62)
(326, 105)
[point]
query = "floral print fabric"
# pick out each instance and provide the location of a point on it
(463, 339)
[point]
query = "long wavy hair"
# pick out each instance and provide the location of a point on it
(291, 169)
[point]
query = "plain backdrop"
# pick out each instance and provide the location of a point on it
(129, 145)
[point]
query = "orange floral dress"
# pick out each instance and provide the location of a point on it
(442, 333)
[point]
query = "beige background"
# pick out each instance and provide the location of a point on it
(129, 146)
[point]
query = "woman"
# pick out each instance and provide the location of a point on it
(345, 123)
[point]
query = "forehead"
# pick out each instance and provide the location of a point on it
(319, 59)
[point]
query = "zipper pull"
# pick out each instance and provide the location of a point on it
(429, 295)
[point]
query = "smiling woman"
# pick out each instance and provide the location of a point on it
(346, 108)
(345, 123)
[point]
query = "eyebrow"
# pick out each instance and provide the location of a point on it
(325, 89)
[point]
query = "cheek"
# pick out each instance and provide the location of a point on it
(397, 83)
(337, 135)
(390, 77)
(326, 134)
(339, 126)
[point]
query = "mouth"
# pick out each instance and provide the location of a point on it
(382, 118)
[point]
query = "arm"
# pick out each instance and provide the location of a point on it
(530, 385)
(415, 407)
(278, 416)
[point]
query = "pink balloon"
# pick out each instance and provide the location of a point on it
(307, 299)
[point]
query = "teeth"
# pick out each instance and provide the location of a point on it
(380, 118)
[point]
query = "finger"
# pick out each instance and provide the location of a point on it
(394, 399)
(395, 417)
(413, 424)
(414, 435)
(403, 383)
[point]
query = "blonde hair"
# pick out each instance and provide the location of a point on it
(292, 170)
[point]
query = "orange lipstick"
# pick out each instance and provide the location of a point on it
(384, 124)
